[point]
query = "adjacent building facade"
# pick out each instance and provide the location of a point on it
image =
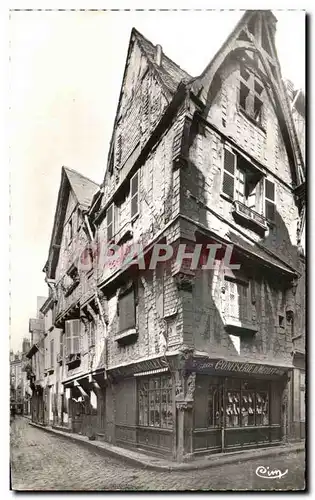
(162, 352)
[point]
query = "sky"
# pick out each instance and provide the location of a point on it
(65, 77)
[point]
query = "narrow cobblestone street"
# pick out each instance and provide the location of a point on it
(43, 461)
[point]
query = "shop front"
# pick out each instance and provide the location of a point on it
(237, 406)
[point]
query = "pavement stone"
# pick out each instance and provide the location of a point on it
(42, 461)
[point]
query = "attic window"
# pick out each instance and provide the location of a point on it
(250, 95)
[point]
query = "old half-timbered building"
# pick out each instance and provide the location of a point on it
(160, 351)
(200, 360)
(69, 348)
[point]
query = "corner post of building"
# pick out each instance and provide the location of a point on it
(285, 408)
(184, 400)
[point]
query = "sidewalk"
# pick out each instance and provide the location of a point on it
(149, 462)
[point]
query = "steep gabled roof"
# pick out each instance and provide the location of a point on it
(169, 73)
(83, 190)
(82, 187)
(242, 39)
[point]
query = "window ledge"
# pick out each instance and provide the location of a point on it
(127, 336)
(249, 216)
(237, 327)
(226, 197)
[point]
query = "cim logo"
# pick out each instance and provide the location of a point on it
(267, 473)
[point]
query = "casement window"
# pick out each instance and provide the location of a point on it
(52, 353)
(241, 181)
(110, 222)
(250, 95)
(155, 402)
(134, 190)
(72, 336)
(236, 299)
(270, 200)
(126, 309)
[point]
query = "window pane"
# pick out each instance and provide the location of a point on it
(228, 184)
(76, 345)
(134, 184)
(262, 408)
(269, 210)
(270, 190)
(232, 409)
(134, 205)
(248, 408)
(214, 406)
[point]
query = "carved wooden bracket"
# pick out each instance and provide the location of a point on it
(184, 282)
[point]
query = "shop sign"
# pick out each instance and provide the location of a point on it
(143, 366)
(216, 366)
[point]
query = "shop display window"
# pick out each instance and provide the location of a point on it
(155, 402)
(243, 404)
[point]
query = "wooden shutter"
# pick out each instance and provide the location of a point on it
(72, 334)
(61, 344)
(51, 353)
(76, 331)
(135, 195)
(229, 167)
(270, 208)
(68, 337)
(110, 222)
(126, 310)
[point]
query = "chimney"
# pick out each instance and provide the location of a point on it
(158, 55)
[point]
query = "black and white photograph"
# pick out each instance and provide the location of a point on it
(157, 250)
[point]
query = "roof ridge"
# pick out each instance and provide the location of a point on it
(81, 175)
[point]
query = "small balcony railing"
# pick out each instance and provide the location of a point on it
(249, 214)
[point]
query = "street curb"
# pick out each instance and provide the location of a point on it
(146, 462)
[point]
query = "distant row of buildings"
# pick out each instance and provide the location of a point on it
(20, 391)
(175, 359)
